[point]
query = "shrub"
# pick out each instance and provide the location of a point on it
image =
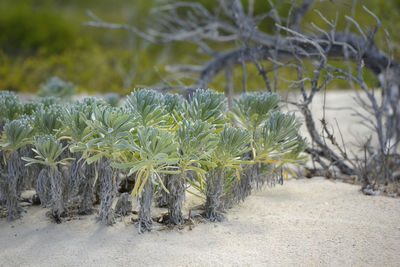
(29, 31)
(17, 134)
(55, 87)
(50, 184)
(10, 107)
(163, 141)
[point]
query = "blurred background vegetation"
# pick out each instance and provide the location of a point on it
(44, 38)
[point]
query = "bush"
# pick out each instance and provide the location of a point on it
(162, 142)
(55, 87)
(25, 30)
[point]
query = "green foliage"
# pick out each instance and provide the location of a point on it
(155, 152)
(250, 110)
(10, 106)
(47, 149)
(173, 103)
(158, 139)
(34, 106)
(48, 120)
(89, 104)
(231, 146)
(146, 107)
(173, 108)
(206, 105)
(112, 99)
(31, 107)
(17, 134)
(195, 139)
(153, 145)
(74, 122)
(104, 56)
(28, 31)
(279, 133)
(108, 127)
(48, 101)
(279, 142)
(55, 87)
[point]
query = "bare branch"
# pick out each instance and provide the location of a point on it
(299, 13)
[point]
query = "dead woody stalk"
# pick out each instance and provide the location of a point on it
(289, 46)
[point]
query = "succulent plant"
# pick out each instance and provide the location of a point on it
(155, 152)
(195, 143)
(56, 87)
(206, 105)
(112, 99)
(251, 110)
(51, 183)
(47, 121)
(146, 107)
(81, 175)
(10, 107)
(231, 146)
(108, 128)
(161, 143)
(17, 134)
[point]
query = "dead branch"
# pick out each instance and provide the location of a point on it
(288, 47)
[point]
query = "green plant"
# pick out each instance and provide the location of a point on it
(153, 152)
(48, 101)
(174, 109)
(56, 87)
(206, 105)
(17, 134)
(231, 146)
(251, 110)
(161, 143)
(146, 107)
(81, 175)
(173, 103)
(272, 133)
(47, 121)
(195, 143)
(10, 107)
(27, 30)
(31, 107)
(112, 99)
(108, 128)
(279, 141)
(50, 184)
(74, 122)
(276, 145)
(48, 150)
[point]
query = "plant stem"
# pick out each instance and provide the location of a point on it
(146, 199)
(215, 187)
(176, 187)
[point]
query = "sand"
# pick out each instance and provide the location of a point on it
(315, 222)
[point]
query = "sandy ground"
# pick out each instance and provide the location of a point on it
(340, 116)
(314, 222)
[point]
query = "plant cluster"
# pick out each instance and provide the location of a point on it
(75, 155)
(57, 88)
